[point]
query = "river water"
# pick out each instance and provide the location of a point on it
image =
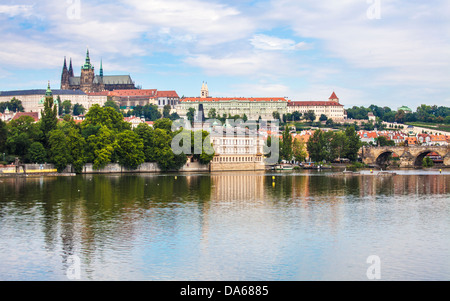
(249, 226)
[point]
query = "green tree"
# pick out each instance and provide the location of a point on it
(111, 104)
(427, 162)
(3, 136)
(202, 139)
(164, 124)
(323, 117)
(101, 147)
(105, 116)
(212, 114)
(299, 150)
(77, 148)
(354, 143)
(130, 149)
(286, 145)
(49, 119)
(59, 153)
(190, 115)
(315, 146)
(67, 106)
(276, 115)
(383, 141)
(78, 109)
(21, 134)
(310, 115)
(166, 111)
(37, 153)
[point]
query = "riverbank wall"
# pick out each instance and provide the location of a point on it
(49, 169)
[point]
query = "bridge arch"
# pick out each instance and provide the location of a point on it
(418, 160)
(384, 158)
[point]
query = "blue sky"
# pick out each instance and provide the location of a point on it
(383, 52)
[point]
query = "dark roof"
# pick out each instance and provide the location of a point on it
(40, 92)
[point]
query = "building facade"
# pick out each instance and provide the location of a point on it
(331, 108)
(237, 149)
(89, 82)
(254, 108)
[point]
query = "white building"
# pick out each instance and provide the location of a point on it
(331, 108)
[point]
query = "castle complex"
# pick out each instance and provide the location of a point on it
(89, 82)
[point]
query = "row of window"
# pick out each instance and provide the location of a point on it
(237, 159)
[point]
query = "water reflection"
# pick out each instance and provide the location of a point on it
(220, 226)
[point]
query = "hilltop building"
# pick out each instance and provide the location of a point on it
(331, 108)
(253, 107)
(89, 82)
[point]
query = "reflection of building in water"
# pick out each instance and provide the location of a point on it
(237, 149)
(242, 186)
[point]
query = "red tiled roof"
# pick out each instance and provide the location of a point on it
(167, 94)
(212, 99)
(134, 92)
(34, 115)
(314, 103)
(333, 96)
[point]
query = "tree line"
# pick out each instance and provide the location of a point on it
(423, 113)
(103, 137)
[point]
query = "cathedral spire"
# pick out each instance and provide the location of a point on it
(87, 64)
(70, 68)
(65, 64)
(101, 67)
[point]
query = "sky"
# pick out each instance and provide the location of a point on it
(383, 52)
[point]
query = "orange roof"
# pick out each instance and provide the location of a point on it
(167, 94)
(34, 115)
(438, 138)
(134, 92)
(212, 99)
(333, 96)
(314, 103)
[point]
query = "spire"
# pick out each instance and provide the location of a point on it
(65, 64)
(49, 92)
(101, 67)
(87, 64)
(70, 68)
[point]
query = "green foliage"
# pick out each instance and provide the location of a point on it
(286, 145)
(111, 104)
(21, 134)
(66, 107)
(310, 116)
(3, 136)
(166, 111)
(164, 124)
(299, 150)
(330, 145)
(14, 105)
(78, 110)
(150, 112)
(105, 116)
(59, 153)
(129, 149)
(37, 153)
(202, 139)
(427, 162)
(49, 120)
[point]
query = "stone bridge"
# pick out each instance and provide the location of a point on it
(409, 156)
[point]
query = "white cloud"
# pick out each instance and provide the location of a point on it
(16, 10)
(265, 42)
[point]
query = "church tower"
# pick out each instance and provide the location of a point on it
(334, 98)
(204, 91)
(65, 76)
(87, 75)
